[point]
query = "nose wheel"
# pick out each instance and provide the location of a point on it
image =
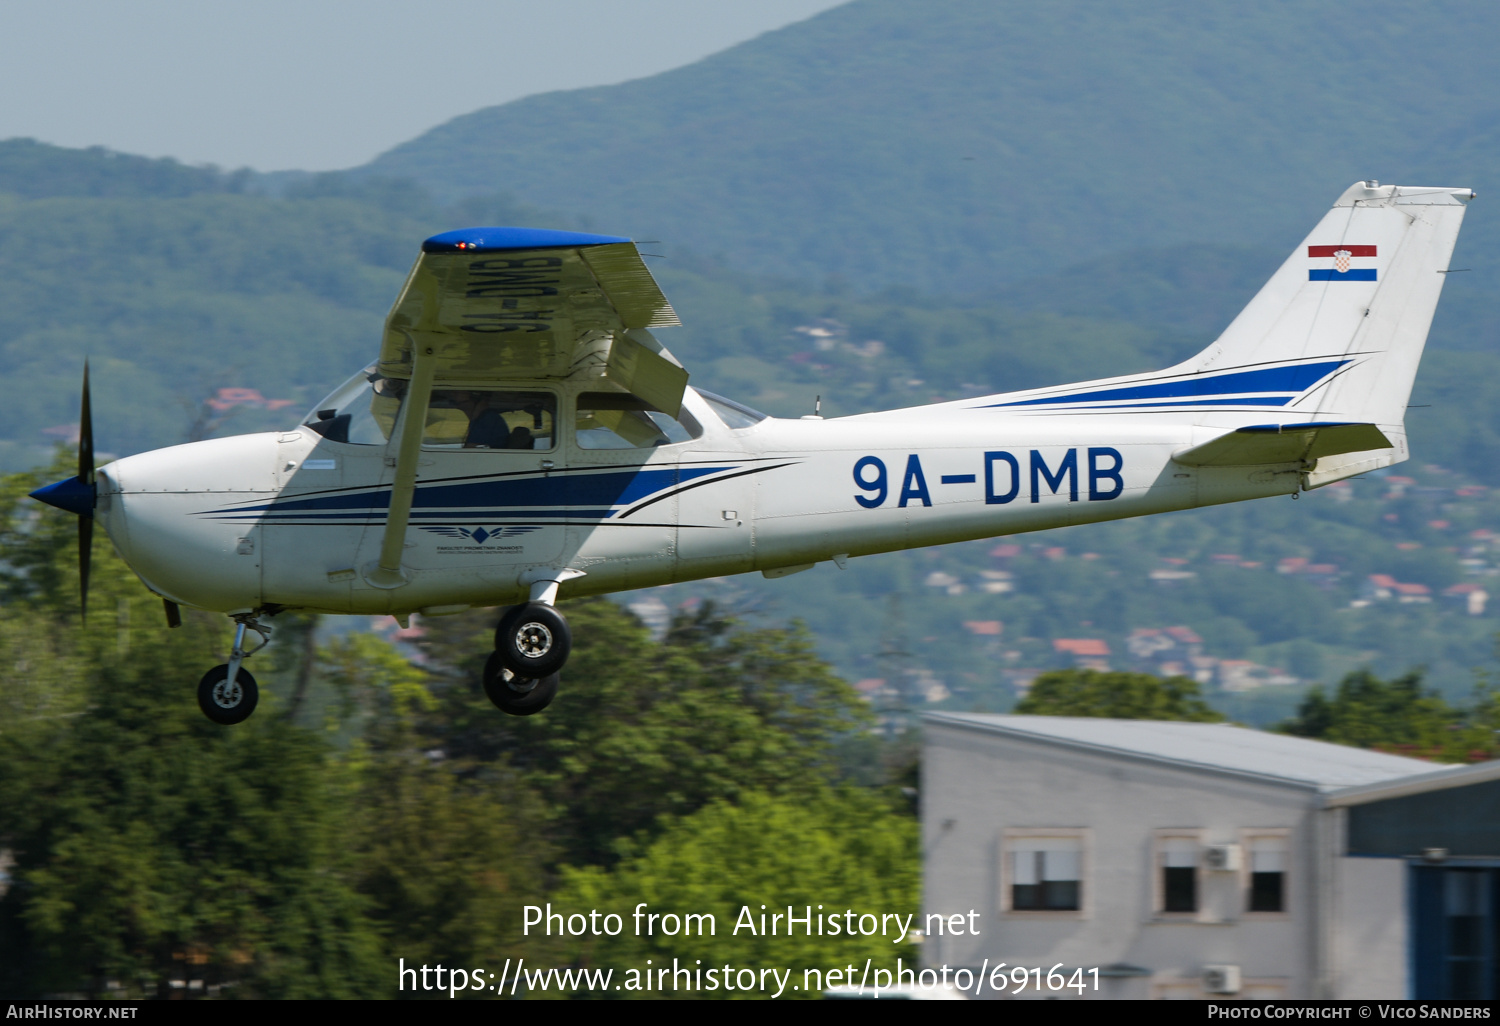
(227, 694)
(225, 702)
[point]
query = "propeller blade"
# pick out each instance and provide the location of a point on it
(86, 479)
(78, 494)
(86, 433)
(85, 551)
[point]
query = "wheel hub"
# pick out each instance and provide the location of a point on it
(228, 694)
(534, 640)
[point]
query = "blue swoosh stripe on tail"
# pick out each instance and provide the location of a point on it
(1267, 379)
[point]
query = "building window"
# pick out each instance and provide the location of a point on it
(1046, 875)
(1455, 931)
(1267, 874)
(1470, 928)
(1179, 874)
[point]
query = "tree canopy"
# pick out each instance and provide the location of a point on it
(1123, 696)
(823, 854)
(377, 807)
(1403, 716)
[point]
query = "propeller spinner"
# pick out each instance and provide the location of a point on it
(78, 494)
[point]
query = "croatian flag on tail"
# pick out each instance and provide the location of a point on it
(1344, 258)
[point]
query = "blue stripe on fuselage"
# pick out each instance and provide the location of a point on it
(1267, 379)
(467, 513)
(1260, 400)
(599, 492)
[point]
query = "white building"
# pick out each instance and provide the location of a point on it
(1192, 859)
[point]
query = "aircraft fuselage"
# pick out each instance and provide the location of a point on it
(295, 520)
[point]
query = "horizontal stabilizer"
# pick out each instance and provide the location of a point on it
(1263, 444)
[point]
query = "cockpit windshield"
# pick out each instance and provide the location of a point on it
(361, 411)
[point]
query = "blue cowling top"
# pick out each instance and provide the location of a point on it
(488, 240)
(70, 494)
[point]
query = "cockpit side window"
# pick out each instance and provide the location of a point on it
(618, 420)
(364, 410)
(476, 418)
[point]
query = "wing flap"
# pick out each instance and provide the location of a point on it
(640, 371)
(1264, 444)
(628, 284)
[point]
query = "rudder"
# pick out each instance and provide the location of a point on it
(1351, 307)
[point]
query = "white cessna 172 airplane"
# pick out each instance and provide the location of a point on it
(523, 435)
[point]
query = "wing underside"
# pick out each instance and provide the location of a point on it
(518, 304)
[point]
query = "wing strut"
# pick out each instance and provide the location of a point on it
(387, 572)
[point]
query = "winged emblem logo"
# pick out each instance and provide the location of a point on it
(480, 535)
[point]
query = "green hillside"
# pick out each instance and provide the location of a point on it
(959, 146)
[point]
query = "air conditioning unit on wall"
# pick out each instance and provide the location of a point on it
(1221, 979)
(1224, 857)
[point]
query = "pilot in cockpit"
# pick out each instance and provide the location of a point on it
(480, 419)
(365, 410)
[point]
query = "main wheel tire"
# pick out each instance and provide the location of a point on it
(516, 695)
(533, 641)
(227, 703)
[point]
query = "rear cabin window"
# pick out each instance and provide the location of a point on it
(734, 415)
(618, 420)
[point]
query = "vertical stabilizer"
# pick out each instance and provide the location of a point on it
(1348, 313)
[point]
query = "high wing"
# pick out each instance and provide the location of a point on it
(485, 305)
(521, 303)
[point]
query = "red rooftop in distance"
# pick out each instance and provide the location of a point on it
(1082, 646)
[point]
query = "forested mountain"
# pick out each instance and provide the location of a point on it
(181, 281)
(956, 146)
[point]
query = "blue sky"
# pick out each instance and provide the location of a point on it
(324, 84)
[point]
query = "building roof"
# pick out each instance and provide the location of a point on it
(1215, 747)
(1082, 646)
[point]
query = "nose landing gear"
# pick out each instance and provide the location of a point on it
(224, 702)
(227, 694)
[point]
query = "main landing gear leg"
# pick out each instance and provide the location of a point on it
(227, 694)
(532, 642)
